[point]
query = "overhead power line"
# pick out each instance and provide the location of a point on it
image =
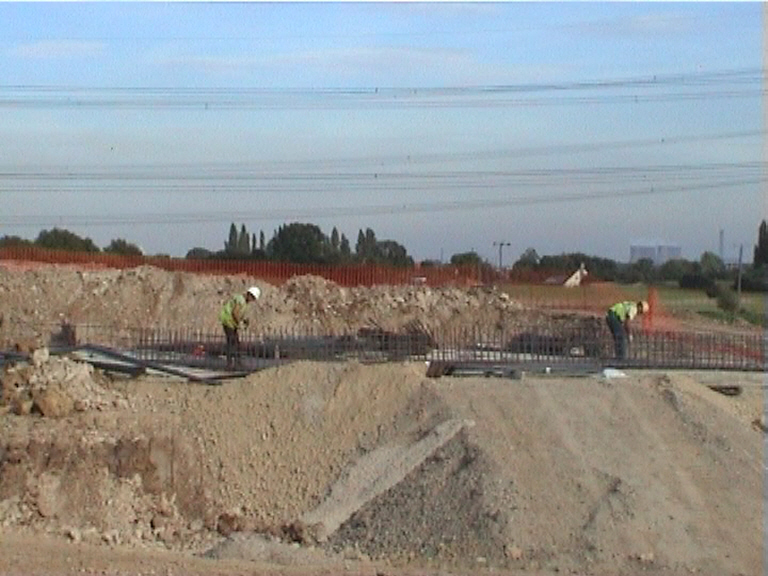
(363, 165)
(179, 218)
(248, 181)
(728, 84)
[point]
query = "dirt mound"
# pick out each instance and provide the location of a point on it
(33, 302)
(312, 464)
(586, 475)
(166, 461)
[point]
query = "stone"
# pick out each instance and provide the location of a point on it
(53, 403)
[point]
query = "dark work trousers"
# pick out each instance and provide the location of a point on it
(619, 335)
(233, 346)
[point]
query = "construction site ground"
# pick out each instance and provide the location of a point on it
(314, 468)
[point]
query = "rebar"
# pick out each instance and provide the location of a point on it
(566, 346)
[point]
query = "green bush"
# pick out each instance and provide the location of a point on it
(697, 281)
(755, 279)
(727, 300)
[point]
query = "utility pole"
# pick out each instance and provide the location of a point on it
(738, 282)
(501, 248)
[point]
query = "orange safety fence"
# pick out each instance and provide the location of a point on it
(535, 288)
(275, 273)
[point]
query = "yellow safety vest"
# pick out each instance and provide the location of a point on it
(624, 310)
(226, 316)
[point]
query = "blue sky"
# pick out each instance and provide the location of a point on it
(444, 126)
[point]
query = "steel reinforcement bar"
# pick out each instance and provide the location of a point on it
(571, 347)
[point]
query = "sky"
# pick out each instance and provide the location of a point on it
(446, 127)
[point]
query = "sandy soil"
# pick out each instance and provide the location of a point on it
(579, 475)
(327, 468)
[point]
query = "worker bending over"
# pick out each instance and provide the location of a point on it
(232, 317)
(618, 318)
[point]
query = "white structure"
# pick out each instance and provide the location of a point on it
(575, 279)
(571, 281)
(658, 253)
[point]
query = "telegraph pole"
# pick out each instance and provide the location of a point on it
(501, 248)
(738, 282)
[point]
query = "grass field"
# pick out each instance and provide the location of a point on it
(671, 299)
(677, 301)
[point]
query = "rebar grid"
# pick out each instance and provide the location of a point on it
(573, 346)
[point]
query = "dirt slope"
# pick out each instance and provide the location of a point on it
(318, 468)
(652, 473)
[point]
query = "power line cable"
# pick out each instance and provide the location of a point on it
(278, 167)
(728, 84)
(390, 209)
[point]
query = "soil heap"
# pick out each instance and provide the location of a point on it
(370, 468)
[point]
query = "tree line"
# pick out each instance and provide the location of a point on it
(61, 239)
(304, 243)
(301, 243)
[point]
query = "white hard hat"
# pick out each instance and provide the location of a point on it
(255, 292)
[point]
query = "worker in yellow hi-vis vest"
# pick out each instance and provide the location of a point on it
(232, 317)
(618, 319)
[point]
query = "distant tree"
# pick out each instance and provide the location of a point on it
(603, 268)
(360, 244)
(243, 242)
(643, 270)
(529, 259)
(565, 263)
(258, 248)
(199, 254)
(238, 246)
(755, 279)
(761, 248)
(123, 247)
(10, 241)
(465, 259)
(712, 265)
(393, 254)
(674, 269)
(59, 239)
(345, 249)
(299, 243)
(230, 246)
(366, 249)
(335, 239)
(696, 279)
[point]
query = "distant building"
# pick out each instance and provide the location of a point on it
(637, 253)
(658, 253)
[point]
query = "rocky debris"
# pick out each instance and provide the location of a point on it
(37, 302)
(54, 387)
(372, 475)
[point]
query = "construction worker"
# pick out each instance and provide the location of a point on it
(232, 317)
(618, 318)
